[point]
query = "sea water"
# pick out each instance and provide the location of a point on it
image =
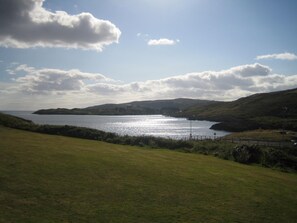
(134, 125)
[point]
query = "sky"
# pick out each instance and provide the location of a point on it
(79, 53)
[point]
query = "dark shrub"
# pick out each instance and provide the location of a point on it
(279, 158)
(247, 154)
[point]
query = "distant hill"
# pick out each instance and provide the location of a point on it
(265, 110)
(274, 110)
(166, 107)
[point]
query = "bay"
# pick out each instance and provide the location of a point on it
(134, 125)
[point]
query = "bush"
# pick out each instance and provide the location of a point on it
(220, 149)
(247, 154)
(280, 159)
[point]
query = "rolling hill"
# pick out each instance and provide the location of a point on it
(167, 107)
(265, 110)
(257, 105)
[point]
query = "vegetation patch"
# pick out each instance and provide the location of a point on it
(47, 178)
(262, 134)
(274, 110)
(286, 160)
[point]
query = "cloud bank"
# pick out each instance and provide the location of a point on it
(26, 23)
(280, 56)
(162, 41)
(74, 88)
(54, 81)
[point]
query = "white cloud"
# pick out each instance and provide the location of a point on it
(280, 56)
(74, 88)
(251, 70)
(54, 81)
(162, 41)
(215, 85)
(25, 24)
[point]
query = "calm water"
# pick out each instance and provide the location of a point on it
(156, 125)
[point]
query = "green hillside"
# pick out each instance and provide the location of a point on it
(266, 110)
(167, 107)
(45, 178)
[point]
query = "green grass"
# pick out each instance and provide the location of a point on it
(261, 134)
(46, 178)
(265, 110)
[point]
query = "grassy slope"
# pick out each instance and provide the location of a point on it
(171, 106)
(264, 135)
(257, 105)
(264, 110)
(46, 178)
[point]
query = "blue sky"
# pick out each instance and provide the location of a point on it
(208, 43)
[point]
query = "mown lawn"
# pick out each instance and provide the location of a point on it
(45, 178)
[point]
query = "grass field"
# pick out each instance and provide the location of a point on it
(45, 178)
(262, 134)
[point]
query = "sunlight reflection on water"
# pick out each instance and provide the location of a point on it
(156, 125)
